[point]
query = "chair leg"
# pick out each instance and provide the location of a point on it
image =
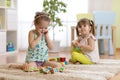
(111, 50)
(101, 49)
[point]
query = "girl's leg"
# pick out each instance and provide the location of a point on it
(52, 64)
(80, 58)
(16, 66)
(73, 58)
(27, 66)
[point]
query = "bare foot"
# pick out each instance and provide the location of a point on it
(26, 67)
(31, 67)
(39, 67)
(77, 63)
(70, 60)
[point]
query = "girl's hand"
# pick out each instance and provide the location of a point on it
(78, 44)
(75, 43)
(45, 31)
(39, 32)
(79, 38)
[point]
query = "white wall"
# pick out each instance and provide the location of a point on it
(104, 5)
(26, 12)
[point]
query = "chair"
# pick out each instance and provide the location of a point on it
(104, 21)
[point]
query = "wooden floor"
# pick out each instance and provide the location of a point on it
(22, 54)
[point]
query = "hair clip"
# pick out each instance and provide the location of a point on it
(38, 17)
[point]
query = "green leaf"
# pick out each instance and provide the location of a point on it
(54, 7)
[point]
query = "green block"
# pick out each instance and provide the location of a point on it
(61, 69)
(58, 59)
(41, 71)
(77, 48)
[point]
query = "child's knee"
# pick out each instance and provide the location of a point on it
(16, 66)
(75, 54)
(32, 64)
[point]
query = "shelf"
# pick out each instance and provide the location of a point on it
(2, 42)
(2, 30)
(2, 7)
(8, 25)
(2, 19)
(9, 53)
(2, 2)
(11, 30)
(12, 4)
(12, 37)
(11, 19)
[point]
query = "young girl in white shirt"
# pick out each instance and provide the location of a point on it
(84, 48)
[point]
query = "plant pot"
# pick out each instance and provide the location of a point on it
(56, 46)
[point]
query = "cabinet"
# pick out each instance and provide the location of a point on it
(8, 26)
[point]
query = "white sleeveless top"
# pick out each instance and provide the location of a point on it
(93, 55)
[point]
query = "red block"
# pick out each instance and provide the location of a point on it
(62, 59)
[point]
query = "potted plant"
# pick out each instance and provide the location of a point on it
(53, 8)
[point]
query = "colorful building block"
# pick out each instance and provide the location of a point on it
(58, 59)
(66, 62)
(61, 69)
(62, 59)
(77, 48)
(52, 59)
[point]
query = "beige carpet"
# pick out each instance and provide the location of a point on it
(104, 70)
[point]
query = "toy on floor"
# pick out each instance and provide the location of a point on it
(61, 60)
(52, 59)
(32, 69)
(50, 70)
(77, 48)
(61, 69)
(44, 71)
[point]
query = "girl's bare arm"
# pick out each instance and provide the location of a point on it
(90, 47)
(32, 41)
(49, 42)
